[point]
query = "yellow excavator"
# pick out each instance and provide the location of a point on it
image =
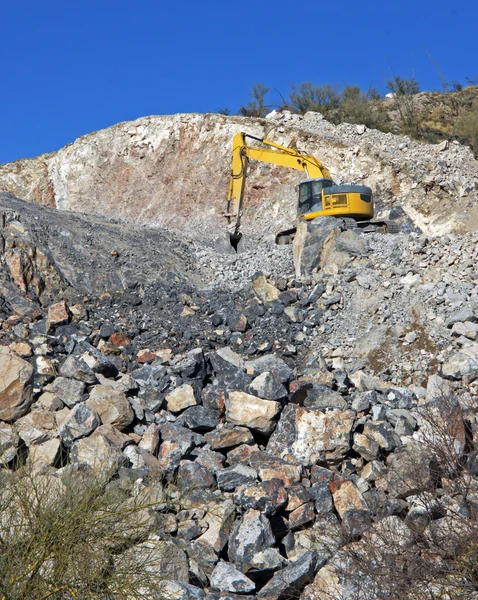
(318, 195)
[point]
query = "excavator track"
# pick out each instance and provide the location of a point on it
(287, 236)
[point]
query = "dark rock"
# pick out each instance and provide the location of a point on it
(266, 496)
(199, 418)
(250, 534)
(192, 475)
(230, 478)
(290, 581)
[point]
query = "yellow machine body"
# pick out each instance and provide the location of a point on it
(323, 199)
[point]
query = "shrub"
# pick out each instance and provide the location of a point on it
(69, 538)
(466, 129)
(318, 98)
(403, 91)
(257, 106)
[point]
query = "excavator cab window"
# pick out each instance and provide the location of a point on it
(310, 195)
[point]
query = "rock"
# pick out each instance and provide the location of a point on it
(178, 590)
(21, 349)
(312, 240)
(199, 418)
(115, 436)
(232, 357)
(177, 443)
(181, 398)
(308, 436)
(16, 385)
(266, 496)
(36, 427)
(252, 533)
(230, 478)
(290, 581)
(45, 454)
(226, 578)
(301, 516)
(70, 391)
(324, 537)
(366, 446)
(322, 496)
(265, 291)
(460, 366)
(351, 243)
(270, 363)
(268, 386)
(267, 560)
(81, 422)
(229, 376)
(409, 471)
(142, 460)
(98, 452)
(9, 441)
(228, 436)
(252, 412)
(58, 314)
(75, 367)
(460, 316)
(165, 559)
(382, 434)
(192, 475)
(321, 397)
(219, 518)
(111, 405)
(346, 497)
(270, 467)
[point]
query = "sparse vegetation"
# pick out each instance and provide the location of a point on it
(432, 553)
(427, 116)
(73, 537)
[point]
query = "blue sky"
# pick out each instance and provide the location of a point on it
(69, 68)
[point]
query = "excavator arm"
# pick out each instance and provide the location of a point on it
(272, 153)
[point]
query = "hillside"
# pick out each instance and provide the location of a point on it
(173, 171)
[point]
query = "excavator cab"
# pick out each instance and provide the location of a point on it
(310, 195)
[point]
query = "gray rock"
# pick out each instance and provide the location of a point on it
(81, 422)
(268, 386)
(75, 367)
(226, 578)
(460, 366)
(270, 363)
(460, 316)
(252, 533)
(199, 418)
(16, 385)
(70, 391)
(232, 477)
(289, 582)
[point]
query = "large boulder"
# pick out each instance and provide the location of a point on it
(251, 411)
(307, 436)
(16, 385)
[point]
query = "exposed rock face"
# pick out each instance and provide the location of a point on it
(173, 170)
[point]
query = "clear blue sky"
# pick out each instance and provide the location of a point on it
(69, 68)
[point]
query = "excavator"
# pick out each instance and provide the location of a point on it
(318, 195)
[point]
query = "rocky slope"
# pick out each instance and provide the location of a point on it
(173, 171)
(310, 435)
